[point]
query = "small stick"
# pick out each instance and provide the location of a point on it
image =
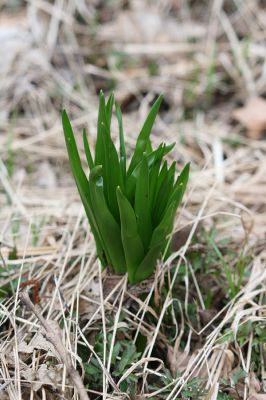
(54, 336)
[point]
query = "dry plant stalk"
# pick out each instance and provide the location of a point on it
(54, 337)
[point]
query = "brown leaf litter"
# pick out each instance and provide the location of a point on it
(253, 117)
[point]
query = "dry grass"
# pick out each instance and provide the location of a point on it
(59, 54)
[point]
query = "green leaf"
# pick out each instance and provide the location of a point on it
(82, 183)
(99, 148)
(109, 110)
(91, 370)
(87, 150)
(127, 357)
(152, 158)
(157, 245)
(132, 244)
(112, 173)
(163, 195)
(107, 224)
(142, 204)
(161, 178)
(180, 186)
(238, 375)
(154, 170)
(122, 148)
(143, 138)
(115, 353)
(153, 178)
(148, 149)
(147, 265)
(158, 154)
(164, 227)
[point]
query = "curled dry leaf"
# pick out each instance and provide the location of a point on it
(4, 395)
(39, 342)
(254, 388)
(207, 316)
(178, 360)
(253, 117)
(180, 238)
(45, 375)
(228, 362)
(254, 384)
(247, 220)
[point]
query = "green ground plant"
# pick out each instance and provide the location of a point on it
(130, 206)
(124, 354)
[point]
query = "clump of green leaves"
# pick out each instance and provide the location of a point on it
(124, 354)
(130, 206)
(192, 390)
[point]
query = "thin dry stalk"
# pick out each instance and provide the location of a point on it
(54, 336)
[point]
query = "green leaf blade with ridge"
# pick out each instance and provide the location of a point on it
(87, 150)
(144, 135)
(99, 147)
(133, 247)
(147, 265)
(122, 148)
(112, 173)
(81, 182)
(164, 194)
(142, 204)
(152, 159)
(106, 222)
(109, 110)
(180, 186)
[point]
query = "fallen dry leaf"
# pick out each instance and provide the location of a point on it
(45, 375)
(253, 117)
(4, 395)
(178, 360)
(39, 342)
(207, 316)
(254, 384)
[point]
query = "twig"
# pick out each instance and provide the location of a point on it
(54, 336)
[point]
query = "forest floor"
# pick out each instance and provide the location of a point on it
(197, 329)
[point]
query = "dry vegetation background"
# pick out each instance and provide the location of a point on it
(208, 58)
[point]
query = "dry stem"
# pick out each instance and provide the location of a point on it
(54, 337)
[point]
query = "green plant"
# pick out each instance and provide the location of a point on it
(131, 209)
(192, 389)
(124, 354)
(224, 396)
(36, 228)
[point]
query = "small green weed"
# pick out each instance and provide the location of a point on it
(192, 389)
(228, 266)
(235, 382)
(123, 355)
(36, 228)
(258, 328)
(233, 264)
